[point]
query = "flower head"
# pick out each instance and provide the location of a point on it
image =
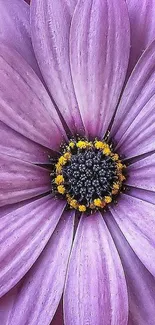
(77, 183)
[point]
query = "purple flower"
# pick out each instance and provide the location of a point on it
(82, 83)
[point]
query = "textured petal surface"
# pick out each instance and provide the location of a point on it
(99, 57)
(43, 285)
(95, 291)
(140, 283)
(142, 173)
(20, 180)
(6, 304)
(23, 235)
(15, 29)
(137, 222)
(24, 102)
(51, 22)
(144, 195)
(134, 124)
(141, 14)
(11, 207)
(16, 145)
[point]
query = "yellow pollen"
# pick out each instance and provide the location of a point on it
(119, 165)
(82, 208)
(98, 202)
(116, 186)
(122, 177)
(73, 204)
(72, 144)
(99, 145)
(82, 144)
(106, 150)
(59, 180)
(62, 160)
(107, 199)
(67, 155)
(61, 189)
(58, 168)
(115, 157)
(115, 189)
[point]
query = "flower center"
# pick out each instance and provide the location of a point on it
(89, 174)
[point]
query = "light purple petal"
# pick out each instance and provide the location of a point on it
(142, 173)
(6, 304)
(14, 144)
(23, 235)
(134, 125)
(136, 219)
(144, 195)
(15, 29)
(25, 105)
(20, 180)
(140, 283)
(50, 25)
(11, 207)
(141, 14)
(43, 285)
(99, 57)
(95, 290)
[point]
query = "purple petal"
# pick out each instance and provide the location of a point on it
(134, 124)
(58, 317)
(140, 283)
(11, 207)
(50, 23)
(99, 57)
(142, 173)
(20, 180)
(141, 14)
(144, 195)
(23, 235)
(95, 291)
(14, 144)
(136, 221)
(25, 105)
(15, 29)
(43, 285)
(6, 304)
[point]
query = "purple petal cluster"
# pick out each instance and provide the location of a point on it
(76, 67)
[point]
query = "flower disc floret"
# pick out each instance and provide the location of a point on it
(89, 174)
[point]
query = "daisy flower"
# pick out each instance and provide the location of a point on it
(77, 162)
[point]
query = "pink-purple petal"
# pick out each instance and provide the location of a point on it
(23, 235)
(136, 220)
(99, 52)
(141, 14)
(20, 180)
(43, 285)
(140, 283)
(144, 195)
(134, 124)
(11, 207)
(25, 104)
(6, 304)
(142, 174)
(50, 25)
(15, 29)
(95, 290)
(16, 145)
